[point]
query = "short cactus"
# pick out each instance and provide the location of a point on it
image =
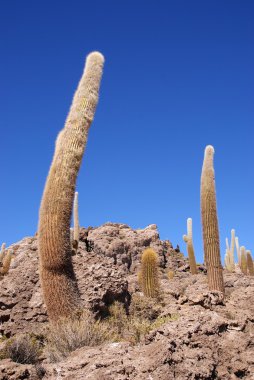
(188, 239)
(210, 226)
(2, 252)
(250, 265)
(171, 274)
(149, 275)
(5, 262)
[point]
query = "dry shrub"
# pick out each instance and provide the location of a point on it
(23, 349)
(143, 318)
(68, 335)
(144, 307)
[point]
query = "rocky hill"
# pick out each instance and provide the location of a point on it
(203, 337)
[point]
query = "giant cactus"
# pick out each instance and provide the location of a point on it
(59, 285)
(149, 276)
(188, 239)
(210, 227)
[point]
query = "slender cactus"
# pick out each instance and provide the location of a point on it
(243, 260)
(250, 266)
(188, 239)
(149, 276)
(230, 261)
(76, 223)
(232, 250)
(238, 250)
(6, 262)
(57, 277)
(2, 252)
(210, 223)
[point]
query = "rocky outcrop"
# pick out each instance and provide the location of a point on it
(207, 338)
(106, 258)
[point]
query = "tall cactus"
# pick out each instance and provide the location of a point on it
(149, 276)
(243, 260)
(59, 285)
(76, 223)
(210, 227)
(238, 250)
(188, 239)
(250, 266)
(229, 258)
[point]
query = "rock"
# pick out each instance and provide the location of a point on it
(204, 337)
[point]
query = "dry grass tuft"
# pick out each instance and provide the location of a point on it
(68, 335)
(23, 349)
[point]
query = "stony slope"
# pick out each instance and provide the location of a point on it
(209, 339)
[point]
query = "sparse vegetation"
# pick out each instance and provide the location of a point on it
(23, 349)
(143, 318)
(68, 335)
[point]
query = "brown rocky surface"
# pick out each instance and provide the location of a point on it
(208, 338)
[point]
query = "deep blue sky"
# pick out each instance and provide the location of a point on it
(178, 76)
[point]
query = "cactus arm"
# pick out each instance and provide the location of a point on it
(57, 277)
(210, 226)
(227, 245)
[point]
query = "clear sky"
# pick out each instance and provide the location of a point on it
(178, 76)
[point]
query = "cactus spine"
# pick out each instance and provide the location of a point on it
(250, 263)
(188, 239)
(76, 223)
(149, 276)
(210, 227)
(57, 277)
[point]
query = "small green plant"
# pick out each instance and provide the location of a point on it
(149, 275)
